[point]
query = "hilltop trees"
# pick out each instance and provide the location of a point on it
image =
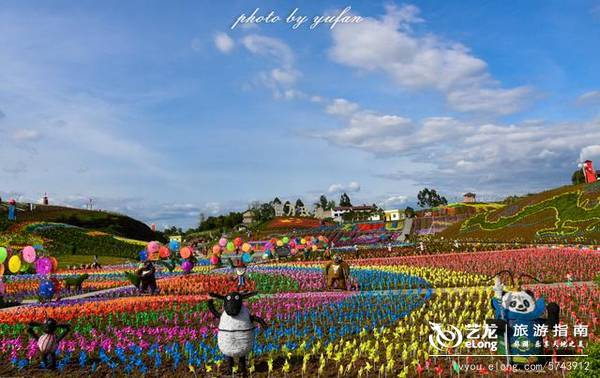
(430, 198)
(578, 177)
(262, 211)
(221, 222)
(325, 204)
(345, 200)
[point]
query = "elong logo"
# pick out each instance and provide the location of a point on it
(445, 338)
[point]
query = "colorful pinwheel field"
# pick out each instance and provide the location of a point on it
(380, 325)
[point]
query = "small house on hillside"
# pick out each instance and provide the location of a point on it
(393, 215)
(248, 217)
(469, 197)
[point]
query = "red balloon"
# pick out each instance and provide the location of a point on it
(238, 242)
(164, 252)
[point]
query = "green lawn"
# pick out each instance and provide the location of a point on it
(65, 260)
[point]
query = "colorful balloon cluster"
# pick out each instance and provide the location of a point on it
(234, 245)
(155, 251)
(21, 262)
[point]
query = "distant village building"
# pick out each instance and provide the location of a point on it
(248, 217)
(393, 215)
(338, 212)
(469, 198)
(321, 213)
(45, 199)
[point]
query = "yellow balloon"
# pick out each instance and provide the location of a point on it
(279, 243)
(14, 264)
(246, 247)
(303, 241)
(314, 248)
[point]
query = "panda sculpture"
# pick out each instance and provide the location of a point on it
(519, 309)
(236, 328)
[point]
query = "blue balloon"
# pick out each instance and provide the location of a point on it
(143, 255)
(246, 258)
(174, 245)
(47, 289)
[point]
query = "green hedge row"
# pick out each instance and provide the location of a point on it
(74, 241)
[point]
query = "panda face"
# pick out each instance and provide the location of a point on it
(518, 301)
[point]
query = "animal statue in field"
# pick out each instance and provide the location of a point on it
(48, 335)
(336, 273)
(517, 316)
(236, 328)
(147, 276)
(76, 282)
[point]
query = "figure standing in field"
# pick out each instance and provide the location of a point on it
(336, 273)
(147, 276)
(240, 272)
(47, 341)
(96, 263)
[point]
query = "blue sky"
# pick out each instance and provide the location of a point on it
(163, 112)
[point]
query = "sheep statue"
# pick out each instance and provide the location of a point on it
(236, 328)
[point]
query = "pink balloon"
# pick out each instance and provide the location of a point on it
(222, 242)
(214, 260)
(153, 247)
(29, 254)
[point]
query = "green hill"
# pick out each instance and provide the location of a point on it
(569, 214)
(112, 223)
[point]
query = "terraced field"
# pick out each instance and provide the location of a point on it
(569, 214)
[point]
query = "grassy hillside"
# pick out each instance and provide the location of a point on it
(117, 224)
(61, 239)
(437, 219)
(569, 214)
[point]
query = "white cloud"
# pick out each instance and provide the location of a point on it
(423, 62)
(459, 152)
(282, 78)
(393, 201)
(269, 47)
(25, 135)
(340, 106)
(589, 98)
(487, 100)
(351, 187)
(384, 134)
(589, 152)
(224, 42)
